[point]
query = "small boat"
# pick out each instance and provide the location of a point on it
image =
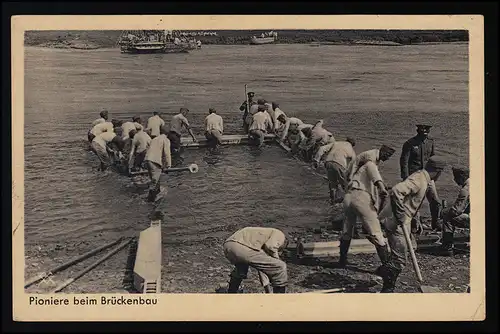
(151, 42)
(271, 38)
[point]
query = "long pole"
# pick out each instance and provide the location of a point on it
(92, 266)
(247, 111)
(193, 168)
(69, 263)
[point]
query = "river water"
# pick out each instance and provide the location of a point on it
(374, 93)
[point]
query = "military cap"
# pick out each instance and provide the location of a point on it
(132, 133)
(212, 109)
(423, 127)
(436, 163)
(251, 94)
(387, 149)
(459, 170)
(260, 101)
(103, 113)
(262, 108)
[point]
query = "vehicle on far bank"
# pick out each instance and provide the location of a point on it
(265, 38)
(155, 41)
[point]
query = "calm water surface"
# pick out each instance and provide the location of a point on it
(376, 94)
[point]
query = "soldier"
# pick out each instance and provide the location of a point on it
(245, 108)
(415, 154)
(406, 198)
(259, 248)
(458, 214)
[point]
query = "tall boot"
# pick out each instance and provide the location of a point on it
(435, 208)
(383, 253)
(234, 285)
(279, 289)
(344, 249)
(389, 275)
(446, 248)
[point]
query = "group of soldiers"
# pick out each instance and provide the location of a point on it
(356, 176)
(132, 146)
(366, 197)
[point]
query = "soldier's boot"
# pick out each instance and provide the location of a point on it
(234, 285)
(383, 253)
(446, 248)
(435, 209)
(389, 276)
(344, 249)
(279, 289)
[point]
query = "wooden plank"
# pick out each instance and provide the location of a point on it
(147, 267)
(360, 246)
(226, 140)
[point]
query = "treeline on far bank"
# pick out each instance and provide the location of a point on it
(109, 38)
(342, 36)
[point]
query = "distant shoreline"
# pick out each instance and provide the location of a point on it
(98, 39)
(90, 47)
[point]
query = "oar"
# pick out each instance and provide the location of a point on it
(69, 263)
(92, 266)
(193, 168)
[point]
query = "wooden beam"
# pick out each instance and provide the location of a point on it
(359, 246)
(147, 267)
(226, 140)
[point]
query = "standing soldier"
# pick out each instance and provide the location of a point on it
(415, 154)
(245, 110)
(365, 197)
(458, 214)
(406, 198)
(154, 124)
(214, 128)
(337, 155)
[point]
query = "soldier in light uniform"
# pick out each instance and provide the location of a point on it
(260, 248)
(458, 214)
(415, 154)
(406, 198)
(246, 110)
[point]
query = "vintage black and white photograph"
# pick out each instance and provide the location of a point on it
(265, 161)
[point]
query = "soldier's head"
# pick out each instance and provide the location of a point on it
(261, 101)
(261, 108)
(104, 114)
(460, 174)
(212, 111)
(132, 133)
(116, 123)
(184, 111)
(156, 113)
(275, 105)
(282, 118)
(351, 140)
(423, 130)
(307, 132)
(385, 152)
(250, 95)
(434, 166)
(164, 130)
(137, 119)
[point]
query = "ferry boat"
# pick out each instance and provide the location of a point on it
(268, 38)
(154, 41)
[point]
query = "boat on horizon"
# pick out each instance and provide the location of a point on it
(155, 41)
(267, 38)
